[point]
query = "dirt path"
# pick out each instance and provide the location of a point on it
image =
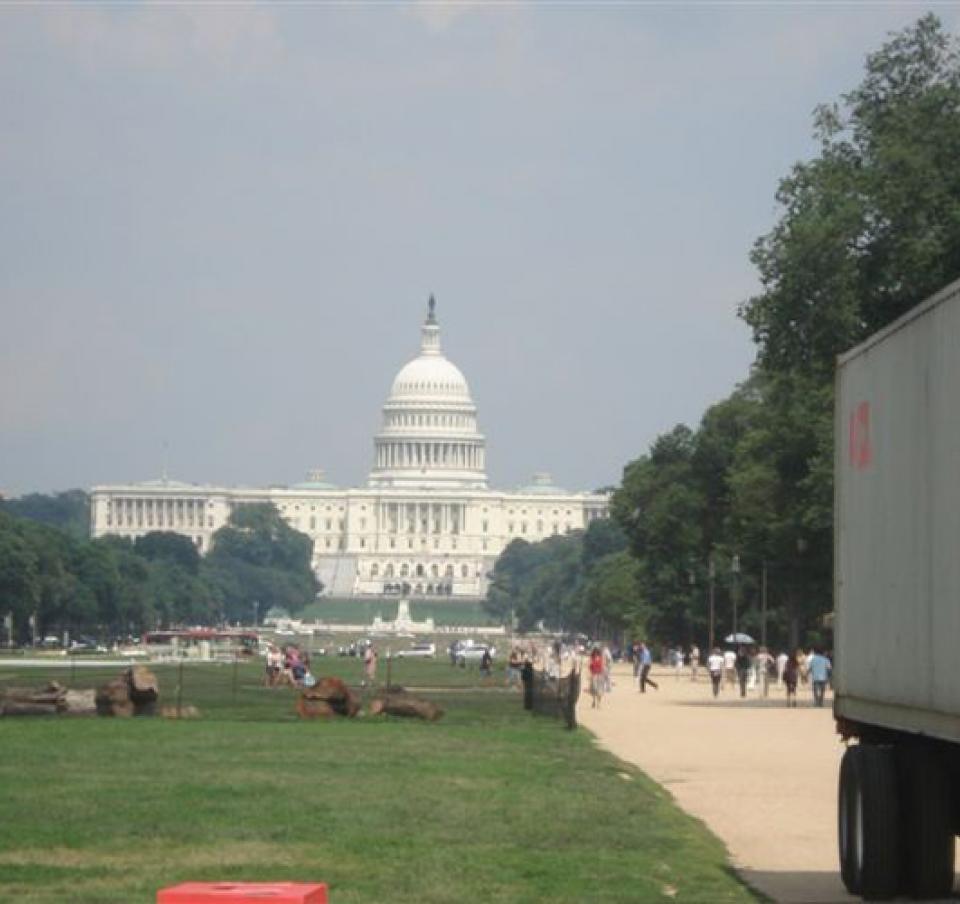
(762, 777)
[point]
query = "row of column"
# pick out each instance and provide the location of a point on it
(423, 517)
(419, 455)
(131, 512)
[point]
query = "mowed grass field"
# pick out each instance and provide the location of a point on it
(490, 803)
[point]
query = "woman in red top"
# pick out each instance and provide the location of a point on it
(596, 677)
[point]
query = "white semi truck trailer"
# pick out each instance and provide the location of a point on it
(897, 623)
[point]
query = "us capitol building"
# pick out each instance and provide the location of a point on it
(425, 524)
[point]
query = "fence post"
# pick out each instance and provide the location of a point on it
(179, 687)
(386, 690)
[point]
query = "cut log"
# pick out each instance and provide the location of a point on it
(144, 687)
(335, 693)
(79, 703)
(113, 698)
(406, 705)
(31, 695)
(308, 708)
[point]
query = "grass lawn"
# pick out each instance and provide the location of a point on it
(490, 803)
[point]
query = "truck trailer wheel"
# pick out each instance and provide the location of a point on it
(928, 828)
(868, 817)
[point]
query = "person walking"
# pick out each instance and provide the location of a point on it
(781, 665)
(678, 661)
(819, 668)
(596, 678)
(764, 664)
(715, 667)
(694, 662)
(607, 669)
(370, 665)
(646, 663)
(791, 676)
(730, 666)
(744, 667)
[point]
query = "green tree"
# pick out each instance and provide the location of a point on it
(69, 510)
(171, 547)
(257, 562)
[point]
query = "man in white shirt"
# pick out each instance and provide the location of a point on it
(730, 667)
(781, 665)
(715, 664)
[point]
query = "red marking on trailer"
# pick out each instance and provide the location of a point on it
(861, 448)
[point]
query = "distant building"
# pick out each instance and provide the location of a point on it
(425, 524)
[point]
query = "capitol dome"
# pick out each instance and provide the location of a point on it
(429, 436)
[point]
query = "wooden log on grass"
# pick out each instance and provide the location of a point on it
(113, 698)
(79, 703)
(308, 708)
(405, 705)
(335, 694)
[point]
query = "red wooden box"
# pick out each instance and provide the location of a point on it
(243, 893)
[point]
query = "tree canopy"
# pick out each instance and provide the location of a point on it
(113, 587)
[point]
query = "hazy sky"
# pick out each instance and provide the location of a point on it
(219, 224)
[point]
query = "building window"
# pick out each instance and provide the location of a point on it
(465, 570)
(313, 523)
(435, 570)
(363, 543)
(328, 543)
(374, 570)
(448, 571)
(329, 524)
(389, 571)
(523, 527)
(510, 528)
(404, 570)
(393, 543)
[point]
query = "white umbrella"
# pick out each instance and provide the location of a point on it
(738, 638)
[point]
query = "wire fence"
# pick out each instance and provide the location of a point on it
(239, 688)
(548, 694)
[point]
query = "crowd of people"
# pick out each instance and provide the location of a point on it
(287, 665)
(744, 668)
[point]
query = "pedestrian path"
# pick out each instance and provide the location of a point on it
(761, 776)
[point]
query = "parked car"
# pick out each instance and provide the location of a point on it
(418, 651)
(86, 645)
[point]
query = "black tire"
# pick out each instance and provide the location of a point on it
(926, 800)
(849, 828)
(869, 822)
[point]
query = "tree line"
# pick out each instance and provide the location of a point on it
(54, 579)
(867, 228)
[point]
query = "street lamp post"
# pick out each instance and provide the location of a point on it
(735, 572)
(763, 606)
(712, 573)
